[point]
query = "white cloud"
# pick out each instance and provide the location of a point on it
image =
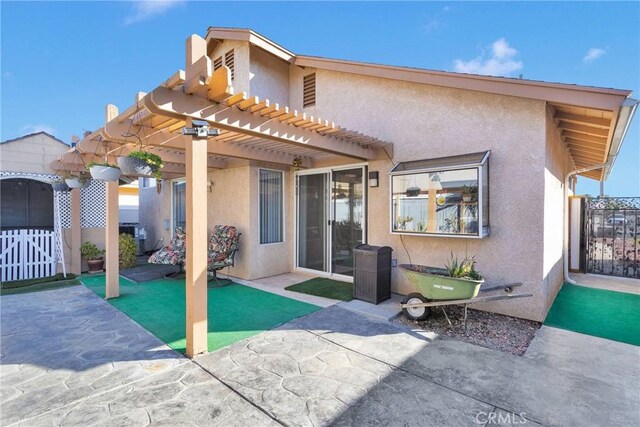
(431, 25)
(593, 54)
(500, 63)
(146, 9)
(41, 127)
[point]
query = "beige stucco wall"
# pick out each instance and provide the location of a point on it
(32, 154)
(428, 121)
(269, 77)
(558, 164)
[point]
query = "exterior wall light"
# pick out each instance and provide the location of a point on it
(373, 179)
(200, 131)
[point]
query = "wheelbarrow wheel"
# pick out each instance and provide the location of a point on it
(416, 313)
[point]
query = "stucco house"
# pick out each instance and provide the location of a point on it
(316, 155)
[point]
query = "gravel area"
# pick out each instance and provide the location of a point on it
(490, 330)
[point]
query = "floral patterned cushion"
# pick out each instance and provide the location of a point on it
(222, 246)
(174, 252)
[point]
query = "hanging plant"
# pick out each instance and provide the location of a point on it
(413, 192)
(141, 163)
(104, 171)
(59, 184)
(80, 181)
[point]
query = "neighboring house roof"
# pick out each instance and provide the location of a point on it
(592, 120)
(34, 134)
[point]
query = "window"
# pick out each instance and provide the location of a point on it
(271, 211)
(445, 196)
(309, 90)
(179, 194)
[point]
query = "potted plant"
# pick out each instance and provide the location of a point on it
(80, 181)
(128, 251)
(469, 193)
(93, 255)
(141, 163)
(59, 184)
(104, 171)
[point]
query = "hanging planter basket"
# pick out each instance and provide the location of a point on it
(105, 173)
(59, 186)
(77, 182)
(132, 166)
(413, 192)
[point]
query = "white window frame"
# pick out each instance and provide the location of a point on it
(283, 222)
(172, 227)
(482, 231)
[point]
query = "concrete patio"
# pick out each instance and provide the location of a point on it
(69, 358)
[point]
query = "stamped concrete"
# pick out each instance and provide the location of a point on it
(69, 358)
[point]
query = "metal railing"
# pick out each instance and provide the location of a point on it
(612, 236)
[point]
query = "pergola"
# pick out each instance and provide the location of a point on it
(251, 129)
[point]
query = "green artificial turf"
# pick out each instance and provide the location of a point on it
(597, 312)
(327, 288)
(42, 280)
(46, 286)
(235, 311)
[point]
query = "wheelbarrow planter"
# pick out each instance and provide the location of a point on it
(437, 289)
(436, 284)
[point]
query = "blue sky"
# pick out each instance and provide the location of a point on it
(62, 62)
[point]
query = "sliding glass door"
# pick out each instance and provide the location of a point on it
(312, 221)
(330, 217)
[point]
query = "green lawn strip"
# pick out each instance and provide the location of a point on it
(597, 312)
(327, 288)
(235, 311)
(47, 286)
(30, 282)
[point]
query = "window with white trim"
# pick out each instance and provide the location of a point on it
(271, 206)
(447, 196)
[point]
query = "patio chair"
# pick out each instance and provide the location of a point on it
(173, 253)
(223, 245)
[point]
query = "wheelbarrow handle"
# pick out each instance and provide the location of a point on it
(507, 288)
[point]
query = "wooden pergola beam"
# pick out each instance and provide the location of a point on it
(179, 105)
(163, 139)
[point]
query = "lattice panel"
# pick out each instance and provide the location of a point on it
(93, 212)
(64, 198)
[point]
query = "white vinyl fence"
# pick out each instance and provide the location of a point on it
(27, 254)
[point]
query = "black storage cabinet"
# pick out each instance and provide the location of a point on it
(372, 273)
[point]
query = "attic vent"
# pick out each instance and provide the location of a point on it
(309, 90)
(229, 61)
(217, 63)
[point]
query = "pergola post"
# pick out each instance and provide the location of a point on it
(111, 229)
(196, 254)
(76, 236)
